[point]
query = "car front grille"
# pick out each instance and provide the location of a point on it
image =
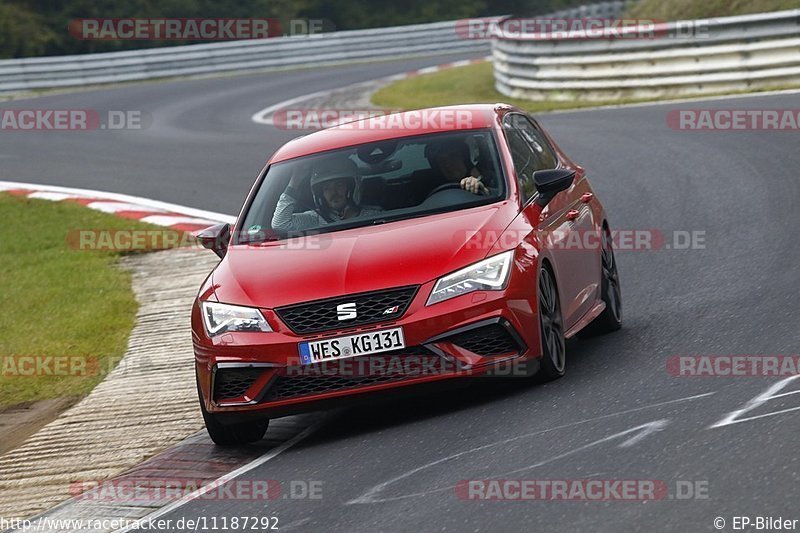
(370, 307)
(230, 383)
(355, 372)
(486, 341)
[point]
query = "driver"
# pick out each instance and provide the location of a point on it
(451, 158)
(333, 184)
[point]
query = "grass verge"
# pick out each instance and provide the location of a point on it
(475, 84)
(694, 9)
(59, 302)
(459, 85)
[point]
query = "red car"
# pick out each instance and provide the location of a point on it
(411, 250)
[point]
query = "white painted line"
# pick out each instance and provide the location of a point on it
(115, 207)
(770, 394)
(295, 524)
(785, 394)
(371, 496)
(168, 220)
(264, 116)
(135, 200)
(756, 417)
(52, 196)
(639, 433)
(228, 477)
(673, 102)
(462, 63)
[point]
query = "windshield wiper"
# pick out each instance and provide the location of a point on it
(260, 240)
(384, 220)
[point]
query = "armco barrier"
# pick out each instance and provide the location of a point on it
(682, 58)
(246, 55)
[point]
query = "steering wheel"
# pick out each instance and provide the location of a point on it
(443, 187)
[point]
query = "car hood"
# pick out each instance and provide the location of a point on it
(396, 254)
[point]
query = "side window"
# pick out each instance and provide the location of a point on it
(545, 158)
(524, 162)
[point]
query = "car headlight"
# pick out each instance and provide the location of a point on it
(491, 274)
(224, 318)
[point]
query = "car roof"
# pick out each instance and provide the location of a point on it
(392, 126)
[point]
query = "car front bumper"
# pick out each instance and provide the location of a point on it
(482, 333)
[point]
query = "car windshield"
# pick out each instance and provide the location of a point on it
(375, 183)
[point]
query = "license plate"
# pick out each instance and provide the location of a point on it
(351, 346)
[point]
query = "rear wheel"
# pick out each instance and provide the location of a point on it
(551, 328)
(231, 434)
(611, 317)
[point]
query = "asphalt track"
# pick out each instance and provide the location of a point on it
(618, 414)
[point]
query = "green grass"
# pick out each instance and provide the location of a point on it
(460, 85)
(475, 84)
(694, 9)
(59, 301)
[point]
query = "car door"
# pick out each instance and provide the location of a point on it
(566, 223)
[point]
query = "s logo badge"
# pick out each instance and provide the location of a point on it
(346, 311)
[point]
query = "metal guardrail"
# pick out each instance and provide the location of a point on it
(247, 55)
(720, 55)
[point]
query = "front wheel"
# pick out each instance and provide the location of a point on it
(551, 329)
(231, 434)
(611, 317)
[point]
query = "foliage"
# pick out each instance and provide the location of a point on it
(40, 27)
(694, 9)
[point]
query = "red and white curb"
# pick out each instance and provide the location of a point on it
(177, 217)
(437, 68)
(265, 115)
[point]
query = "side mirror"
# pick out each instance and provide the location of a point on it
(215, 238)
(551, 182)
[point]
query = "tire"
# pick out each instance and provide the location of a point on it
(551, 328)
(231, 434)
(611, 317)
